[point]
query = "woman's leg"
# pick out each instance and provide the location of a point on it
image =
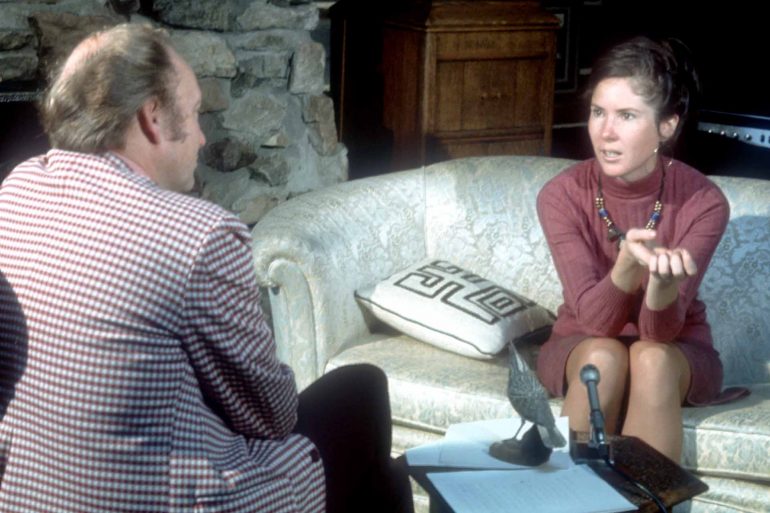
(660, 378)
(346, 413)
(610, 356)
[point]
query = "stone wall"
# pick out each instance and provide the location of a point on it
(268, 122)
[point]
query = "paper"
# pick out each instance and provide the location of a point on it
(466, 445)
(575, 490)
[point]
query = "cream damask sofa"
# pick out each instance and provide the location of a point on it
(312, 252)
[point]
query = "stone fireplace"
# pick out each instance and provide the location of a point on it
(268, 121)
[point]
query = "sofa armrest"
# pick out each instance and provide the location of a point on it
(314, 251)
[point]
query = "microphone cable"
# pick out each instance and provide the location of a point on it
(646, 491)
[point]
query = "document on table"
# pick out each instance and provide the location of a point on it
(575, 490)
(466, 445)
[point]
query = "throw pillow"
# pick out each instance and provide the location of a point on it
(445, 305)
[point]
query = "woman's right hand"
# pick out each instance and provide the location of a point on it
(639, 245)
(636, 249)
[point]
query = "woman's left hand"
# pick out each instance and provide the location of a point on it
(670, 266)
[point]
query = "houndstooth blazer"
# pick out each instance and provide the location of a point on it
(137, 373)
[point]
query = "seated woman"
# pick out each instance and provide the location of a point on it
(631, 233)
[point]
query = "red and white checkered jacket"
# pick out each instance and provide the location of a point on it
(137, 373)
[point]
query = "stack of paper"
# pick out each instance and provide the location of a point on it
(574, 490)
(495, 486)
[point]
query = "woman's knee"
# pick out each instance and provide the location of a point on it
(658, 367)
(655, 359)
(609, 355)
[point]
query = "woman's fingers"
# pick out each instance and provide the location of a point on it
(639, 244)
(676, 264)
(640, 235)
(690, 267)
(660, 266)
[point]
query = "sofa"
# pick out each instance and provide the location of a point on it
(315, 251)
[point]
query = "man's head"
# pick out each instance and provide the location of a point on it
(125, 83)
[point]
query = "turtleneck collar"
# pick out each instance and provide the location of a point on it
(618, 188)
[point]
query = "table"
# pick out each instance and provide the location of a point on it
(669, 481)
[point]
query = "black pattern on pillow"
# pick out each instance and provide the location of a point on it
(452, 308)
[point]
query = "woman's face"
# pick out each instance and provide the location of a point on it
(623, 130)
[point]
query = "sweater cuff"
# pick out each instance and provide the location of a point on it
(660, 325)
(610, 310)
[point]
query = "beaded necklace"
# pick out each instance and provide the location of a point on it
(613, 233)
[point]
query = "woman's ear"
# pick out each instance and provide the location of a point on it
(667, 127)
(149, 118)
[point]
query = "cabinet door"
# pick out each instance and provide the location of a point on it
(488, 81)
(490, 95)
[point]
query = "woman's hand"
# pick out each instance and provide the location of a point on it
(639, 245)
(671, 265)
(635, 253)
(667, 267)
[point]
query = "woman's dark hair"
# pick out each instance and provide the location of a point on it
(662, 73)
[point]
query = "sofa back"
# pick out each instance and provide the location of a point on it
(480, 213)
(736, 288)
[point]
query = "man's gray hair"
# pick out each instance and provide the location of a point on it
(90, 103)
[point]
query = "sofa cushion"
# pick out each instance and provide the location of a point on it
(728, 496)
(730, 440)
(440, 303)
(451, 389)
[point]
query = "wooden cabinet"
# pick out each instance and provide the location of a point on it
(464, 78)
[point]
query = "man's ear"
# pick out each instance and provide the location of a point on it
(667, 127)
(149, 118)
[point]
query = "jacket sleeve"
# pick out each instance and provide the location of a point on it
(229, 342)
(701, 224)
(599, 306)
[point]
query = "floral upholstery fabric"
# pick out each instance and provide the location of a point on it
(315, 250)
(727, 496)
(735, 288)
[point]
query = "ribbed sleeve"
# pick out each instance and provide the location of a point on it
(700, 223)
(592, 303)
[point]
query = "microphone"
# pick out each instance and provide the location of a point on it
(589, 375)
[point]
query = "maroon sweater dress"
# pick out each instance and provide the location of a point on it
(694, 216)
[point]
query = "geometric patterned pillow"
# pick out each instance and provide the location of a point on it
(444, 305)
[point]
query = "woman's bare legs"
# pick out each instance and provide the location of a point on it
(611, 358)
(660, 378)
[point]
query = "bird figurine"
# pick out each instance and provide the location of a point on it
(530, 401)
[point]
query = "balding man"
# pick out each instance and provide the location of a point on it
(137, 373)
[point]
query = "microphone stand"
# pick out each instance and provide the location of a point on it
(597, 449)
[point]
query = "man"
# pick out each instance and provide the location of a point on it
(137, 372)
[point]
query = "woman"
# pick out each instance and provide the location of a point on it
(631, 233)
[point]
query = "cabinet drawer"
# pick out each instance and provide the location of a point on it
(491, 45)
